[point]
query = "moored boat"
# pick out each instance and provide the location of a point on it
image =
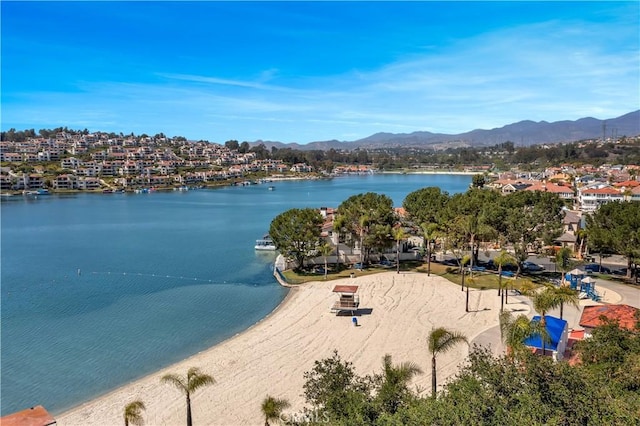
(265, 243)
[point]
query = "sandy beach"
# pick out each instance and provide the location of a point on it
(272, 356)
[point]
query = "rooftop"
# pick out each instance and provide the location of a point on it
(34, 416)
(624, 314)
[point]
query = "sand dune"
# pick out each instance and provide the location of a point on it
(271, 357)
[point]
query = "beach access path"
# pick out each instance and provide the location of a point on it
(397, 312)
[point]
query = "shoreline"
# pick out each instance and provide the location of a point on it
(271, 356)
(287, 299)
(429, 172)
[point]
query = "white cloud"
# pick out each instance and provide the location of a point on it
(547, 71)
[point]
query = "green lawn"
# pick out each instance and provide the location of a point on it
(480, 280)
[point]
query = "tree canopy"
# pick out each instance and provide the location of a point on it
(617, 226)
(296, 234)
(367, 219)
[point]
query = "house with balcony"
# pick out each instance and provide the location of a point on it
(65, 181)
(71, 163)
(592, 197)
(88, 183)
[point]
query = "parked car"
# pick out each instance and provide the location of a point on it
(451, 262)
(358, 266)
(386, 262)
(594, 267)
(619, 271)
(532, 267)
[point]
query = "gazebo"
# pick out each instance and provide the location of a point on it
(348, 299)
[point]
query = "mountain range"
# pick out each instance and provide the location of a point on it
(522, 133)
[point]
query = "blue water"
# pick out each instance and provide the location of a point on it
(101, 289)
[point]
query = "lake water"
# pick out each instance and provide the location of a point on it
(101, 289)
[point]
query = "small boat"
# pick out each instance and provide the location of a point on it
(265, 243)
(42, 191)
(271, 188)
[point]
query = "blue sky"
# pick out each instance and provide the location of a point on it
(312, 71)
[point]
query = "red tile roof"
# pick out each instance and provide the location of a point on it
(345, 289)
(627, 183)
(625, 315)
(607, 190)
(34, 416)
(550, 187)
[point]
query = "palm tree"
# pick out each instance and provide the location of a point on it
(395, 382)
(339, 224)
(465, 259)
(133, 413)
(429, 231)
(543, 301)
(565, 294)
(440, 341)
(194, 381)
(503, 259)
(563, 259)
(514, 331)
(272, 408)
(398, 234)
(325, 250)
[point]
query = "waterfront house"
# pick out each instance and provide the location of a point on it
(65, 181)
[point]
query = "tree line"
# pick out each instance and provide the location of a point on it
(501, 156)
(465, 223)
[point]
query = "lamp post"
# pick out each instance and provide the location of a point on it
(430, 247)
(467, 302)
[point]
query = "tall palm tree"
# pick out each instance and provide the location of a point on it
(429, 231)
(503, 259)
(565, 294)
(133, 413)
(563, 260)
(465, 259)
(272, 408)
(194, 381)
(398, 234)
(395, 383)
(440, 341)
(339, 226)
(325, 251)
(515, 330)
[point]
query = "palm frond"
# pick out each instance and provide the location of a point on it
(441, 340)
(133, 413)
(272, 407)
(175, 380)
(196, 379)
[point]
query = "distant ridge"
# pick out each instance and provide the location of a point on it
(522, 133)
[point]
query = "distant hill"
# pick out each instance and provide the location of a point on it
(523, 133)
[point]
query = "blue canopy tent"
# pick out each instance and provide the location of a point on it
(557, 329)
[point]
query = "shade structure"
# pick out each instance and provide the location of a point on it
(577, 272)
(555, 329)
(588, 280)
